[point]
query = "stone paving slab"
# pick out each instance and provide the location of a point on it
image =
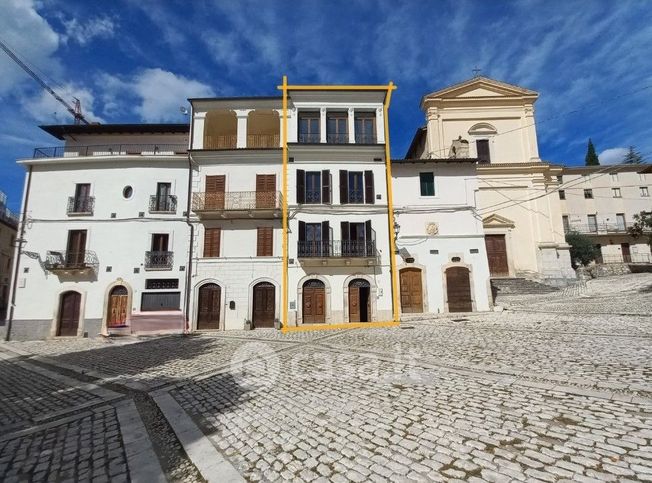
(352, 417)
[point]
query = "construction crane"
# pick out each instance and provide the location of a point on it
(74, 110)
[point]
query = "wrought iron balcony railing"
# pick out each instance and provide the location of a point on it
(263, 141)
(111, 150)
(337, 138)
(313, 137)
(337, 249)
(597, 228)
(236, 201)
(81, 205)
(631, 258)
(162, 204)
(228, 141)
(159, 260)
(69, 261)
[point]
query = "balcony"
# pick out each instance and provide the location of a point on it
(361, 138)
(263, 141)
(337, 138)
(227, 141)
(81, 206)
(162, 204)
(631, 258)
(111, 150)
(337, 251)
(237, 204)
(309, 138)
(66, 262)
(596, 229)
(159, 260)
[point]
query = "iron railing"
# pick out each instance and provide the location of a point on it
(263, 141)
(362, 138)
(337, 138)
(313, 137)
(337, 249)
(597, 228)
(631, 258)
(64, 260)
(111, 150)
(8, 216)
(237, 200)
(81, 205)
(159, 260)
(228, 141)
(162, 204)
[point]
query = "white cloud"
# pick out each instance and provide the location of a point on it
(612, 155)
(89, 29)
(43, 107)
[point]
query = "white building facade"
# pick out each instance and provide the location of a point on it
(104, 245)
(601, 201)
(8, 230)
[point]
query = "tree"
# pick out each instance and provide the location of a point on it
(632, 157)
(582, 250)
(591, 158)
(642, 226)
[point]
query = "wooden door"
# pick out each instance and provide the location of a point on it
(69, 314)
(215, 189)
(314, 297)
(264, 305)
(411, 291)
(210, 301)
(497, 255)
(458, 290)
(76, 249)
(265, 190)
(627, 255)
(354, 304)
(117, 315)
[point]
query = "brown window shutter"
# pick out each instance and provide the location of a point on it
(302, 231)
(482, 146)
(326, 187)
(345, 231)
(344, 186)
(265, 242)
(369, 193)
(212, 242)
(215, 184)
(301, 186)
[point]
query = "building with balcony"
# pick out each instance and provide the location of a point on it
(8, 235)
(601, 201)
(494, 122)
(105, 242)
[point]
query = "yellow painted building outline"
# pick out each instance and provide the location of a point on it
(285, 87)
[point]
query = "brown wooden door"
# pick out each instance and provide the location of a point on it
(264, 305)
(69, 314)
(497, 255)
(627, 255)
(458, 290)
(265, 190)
(411, 291)
(354, 304)
(117, 307)
(215, 188)
(314, 297)
(76, 249)
(210, 301)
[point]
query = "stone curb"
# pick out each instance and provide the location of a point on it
(210, 463)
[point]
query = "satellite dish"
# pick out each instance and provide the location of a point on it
(183, 110)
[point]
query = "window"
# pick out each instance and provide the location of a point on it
(615, 192)
(127, 192)
(644, 191)
(614, 177)
(309, 127)
(365, 128)
(313, 187)
(163, 201)
(158, 301)
(566, 223)
(620, 221)
(427, 183)
(336, 128)
(76, 248)
(482, 147)
(562, 194)
(588, 194)
(212, 242)
(161, 283)
(265, 242)
(560, 179)
(357, 187)
(82, 201)
(358, 239)
(160, 242)
(314, 239)
(593, 223)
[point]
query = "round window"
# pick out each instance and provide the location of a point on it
(127, 192)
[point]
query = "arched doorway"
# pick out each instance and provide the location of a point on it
(264, 305)
(118, 299)
(359, 300)
(411, 291)
(458, 290)
(314, 302)
(209, 303)
(69, 310)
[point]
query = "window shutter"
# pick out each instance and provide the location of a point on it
(301, 186)
(482, 146)
(264, 246)
(368, 239)
(369, 194)
(302, 231)
(215, 184)
(345, 231)
(326, 187)
(344, 186)
(212, 242)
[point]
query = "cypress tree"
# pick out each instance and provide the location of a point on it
(591, 158)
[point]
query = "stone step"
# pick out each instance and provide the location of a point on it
(518, 285)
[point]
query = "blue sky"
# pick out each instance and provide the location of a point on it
(138, 60)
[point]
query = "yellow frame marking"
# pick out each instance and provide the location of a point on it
(390, 207)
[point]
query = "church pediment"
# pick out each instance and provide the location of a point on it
(481, 87)
(497, 221)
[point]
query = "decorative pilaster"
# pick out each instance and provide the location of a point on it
(351, 124)
(380, 126)
(198, 124)
(242, 115)
(322, 125)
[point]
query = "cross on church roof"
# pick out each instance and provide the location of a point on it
(476, 71)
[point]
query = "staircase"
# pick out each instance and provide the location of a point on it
(518, 286)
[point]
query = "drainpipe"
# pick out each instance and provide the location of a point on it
(18, 252)
(192, 231)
